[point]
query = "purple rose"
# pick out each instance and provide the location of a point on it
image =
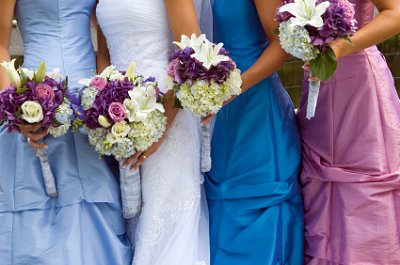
(91, 119)
(173, 66)
(44, 91)
(117, 111)
(99, 82)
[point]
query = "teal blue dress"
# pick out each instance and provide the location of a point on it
(256, 209)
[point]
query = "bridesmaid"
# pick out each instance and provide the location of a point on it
(84, 224)
(256, 210)
(351, 151)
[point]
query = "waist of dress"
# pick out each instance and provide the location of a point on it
(368, 51)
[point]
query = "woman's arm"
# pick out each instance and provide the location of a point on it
(7, 13)
(103, 55)
(273, 56)
(183, 21)
(381, 28)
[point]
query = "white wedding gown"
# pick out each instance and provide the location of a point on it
(173, 226)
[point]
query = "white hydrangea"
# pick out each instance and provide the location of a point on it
(123, 148)
(144, 134)
(60, 130)
(296, 41)
(97, 139)
(203, 98)
(64, 113)
(88, 97)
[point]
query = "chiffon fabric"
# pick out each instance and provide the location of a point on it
(351, 162)
(84, 224)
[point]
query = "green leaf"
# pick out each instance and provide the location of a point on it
(177, 104)
(348, 39)
(21, 90)
(40, 74)
(76, 124)
(23, 77)
(65, 83)
(324, 65)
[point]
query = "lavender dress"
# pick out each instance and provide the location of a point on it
(351, 162)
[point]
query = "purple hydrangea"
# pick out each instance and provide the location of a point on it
(184, 68)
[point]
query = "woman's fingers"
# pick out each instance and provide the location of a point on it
(139, 162)
(129, 160)
(36, 146)
(207, 119)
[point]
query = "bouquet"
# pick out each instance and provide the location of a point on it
(121, 113)
(203, 78)
(32, 98)
(305, 30)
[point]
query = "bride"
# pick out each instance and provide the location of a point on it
(173, 225)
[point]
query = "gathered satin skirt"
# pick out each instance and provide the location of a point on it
(253, 191)
(80, 234)
(351, 166)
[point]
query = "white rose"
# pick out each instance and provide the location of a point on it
(120, 130)
(235, 82)
(32, 112)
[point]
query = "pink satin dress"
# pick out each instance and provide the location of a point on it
(351, 162)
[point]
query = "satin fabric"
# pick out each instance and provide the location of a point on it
(58, 33)
(351, 162)
(256, 210)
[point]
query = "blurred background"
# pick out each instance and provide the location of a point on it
(291, 73)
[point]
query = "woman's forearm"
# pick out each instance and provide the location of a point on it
(4, 56)
(381, 28)
(269, 62)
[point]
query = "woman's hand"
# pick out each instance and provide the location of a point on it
(34, 133)
(142, 156)
(170, 113)
(210, 117)
(306, 66)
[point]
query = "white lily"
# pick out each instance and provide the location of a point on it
(143, 101)
(209, 55)
(12, 74)
(306, 12)
(131, 71)
(56, 74)
(28, 73)
(194, 41)
(85, 81)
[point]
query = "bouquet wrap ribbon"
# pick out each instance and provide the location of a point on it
(206, 147)
(48, 177)
(313, 93)
(131, 191)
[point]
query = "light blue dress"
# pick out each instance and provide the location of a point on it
(84, 224)
(256, 210)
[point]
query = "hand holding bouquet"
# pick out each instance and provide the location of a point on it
(122, 115)
(203, 78)
(307, 27)
(36, 98)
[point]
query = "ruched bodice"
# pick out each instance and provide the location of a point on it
(55, 30)
(364, 11)
(145, 35)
